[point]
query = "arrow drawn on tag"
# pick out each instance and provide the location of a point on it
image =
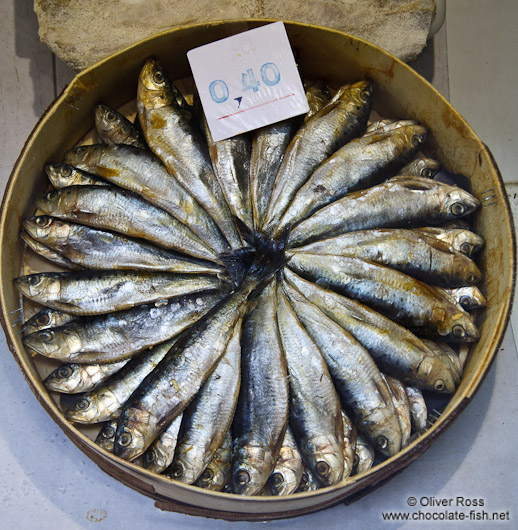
(238, 101)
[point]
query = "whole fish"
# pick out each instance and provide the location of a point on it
(105, 401)
(360, 163)
(421, 167)
(395, 350)
(364, 455)
(462, 240)
(46, 318)
(114, 128)
(315, 412)
(99, 249)
(231, 162)
(418, 408)
(160, 453)
(358, 382)
(420, 201)
(208, 417)
(64, 175)
(165, 393)
(343, 118)
(116, 336)
(98, 292)
(318, 96)
(262, 410)
(469, 297)
(106, 436)
(408, 251)
(143, 172)
(47, 252)
(404, 299)
(401, 406)
(122, 211)
(287, 472)
(268, 148)
(173, 135)
(73, 378)
(218, 473)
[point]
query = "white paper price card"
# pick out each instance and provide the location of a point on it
(248, 81)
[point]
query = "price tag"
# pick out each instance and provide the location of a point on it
(248, 81)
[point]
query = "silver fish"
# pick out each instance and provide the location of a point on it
(308, 481)
(343, 118)
(421, 167)
(318, 96)
(116, 336)
(99, 249)
(350, 435)
(63, 175)
(106, 436)
(160, 453)
(418, 408)
(401, 406)
(219, 471)
(46, 318)
(364, 458)
(173, 136)
(315, 412)
(262, 411)
(98, 292)
(124, 212)
(462, 240)
(143, 172)
(469, 297)
(395, 349)
(420, 201)
(360, 163)
(209, 416)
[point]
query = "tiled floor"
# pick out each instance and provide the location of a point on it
(46, 483)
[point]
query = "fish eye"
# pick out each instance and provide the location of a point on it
(457, 208)
(125, 439)
(276, 480)
(322, 468)
(439, 385)
(243, 478)
(42, 220)
(65, 371)
(458, 331)
(51, 195)
(66, 171)
(158, 77)
(381, 442)
(83, 404)
(108, 432)
(365, 95)
(150, 457)
(46, 336)
(466, 248)
(208, 474)
(471, 278)
(43, 320)
(177, 470)
(417, 140)
(465, 301)
(34, 279)
(427, 173)
(111, 116)
(81, 149)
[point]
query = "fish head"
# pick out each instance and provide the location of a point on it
(46, 229)
(433, 374)
(360, 96)
(466, 242)
(325, 457)
(56, 201)
(56, 343)
(466, 270)
(84, 157)
(66, 378)
(381, 427)
(283, 481)
(86, 408)
(107, 119)
(252, 466)
(457, 202)
(427, 167)
(188, 463)
(44, 285)
(454, 324)
(413, 136)
(106, 435)
(154, 89)
(136, 430)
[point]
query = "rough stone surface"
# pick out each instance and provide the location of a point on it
(82, 33)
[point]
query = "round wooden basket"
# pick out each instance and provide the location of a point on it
(338, 58)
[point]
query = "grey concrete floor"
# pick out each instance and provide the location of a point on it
(47, 483)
